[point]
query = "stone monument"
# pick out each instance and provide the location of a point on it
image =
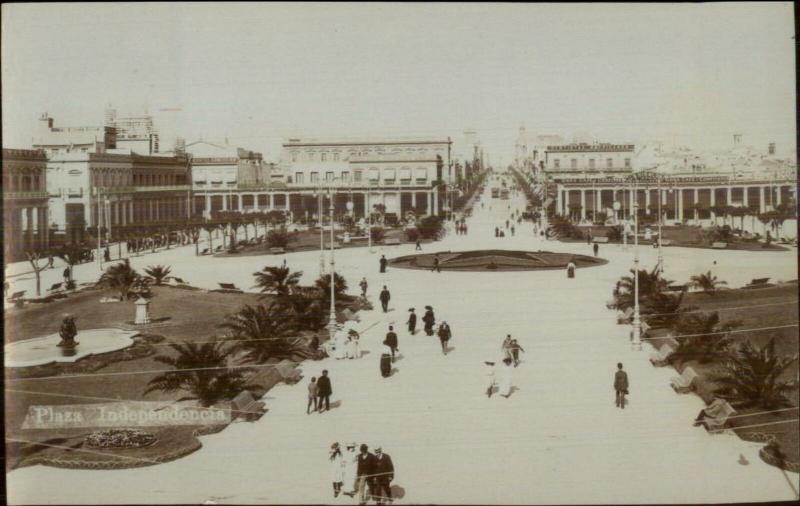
(68, 332)
(142, 311)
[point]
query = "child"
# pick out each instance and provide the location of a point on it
(312, 395)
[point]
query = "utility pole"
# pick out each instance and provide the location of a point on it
(637, 323)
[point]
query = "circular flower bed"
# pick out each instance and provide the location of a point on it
(120, 438)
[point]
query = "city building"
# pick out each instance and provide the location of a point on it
(110, 189)
(25, 223)
(86, 139)
(135, 133)
(591, 160)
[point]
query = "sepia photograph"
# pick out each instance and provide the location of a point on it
(400, 253)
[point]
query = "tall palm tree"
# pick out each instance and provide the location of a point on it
(707, 282)
(279, 280)
(650, 283)
(323, 284)
(308, 309)
(158, 273)
(120, 276)
(202, 371)
(264, 332)
(751, 375)
(705, 339)
(663, 309)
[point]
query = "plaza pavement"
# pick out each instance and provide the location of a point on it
(557, 439)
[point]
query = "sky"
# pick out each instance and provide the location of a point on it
(691, 74)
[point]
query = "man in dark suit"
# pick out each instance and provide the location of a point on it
(324, 391)
(365, 472)
(621, 386)
(391, 341)
(384, 474)
(383, 263)
(384, 297)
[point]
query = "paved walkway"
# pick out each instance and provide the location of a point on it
(557, 439)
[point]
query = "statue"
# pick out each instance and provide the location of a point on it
(68, 332)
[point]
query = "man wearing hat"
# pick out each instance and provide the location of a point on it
(384, 474)
(412, 321)
(365, 472)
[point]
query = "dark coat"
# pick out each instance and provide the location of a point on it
(412, 320)
(444, 333)
(429, 319)
(391, 340)
(384, 468)
(324, 386)
(385, 296)
(621, 380)
(366, 464)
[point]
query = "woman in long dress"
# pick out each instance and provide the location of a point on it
(337, 468)
(350, 467)
(505, 348)
(340, 344)
(504, 378)
(353, 349)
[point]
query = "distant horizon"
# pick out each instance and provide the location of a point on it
(685, 74)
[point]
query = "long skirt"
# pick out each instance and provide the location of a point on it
(386, 365)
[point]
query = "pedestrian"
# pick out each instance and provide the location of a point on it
(497, 231)
(620, 386)
(324, 391)
(106, 255)
(353, 345)
(383, 262)
(386, 360)
(512, 230)
(436, 263)
(350, 467)
(588, 238)
(384, 474)
(465, 229)
(337, 468)
(418, 246)
(505, 378)
(363, 285)
(506, 224)
(312, 395)
(340, 343)
(66, 274)
(505, 348)
(596, 248)
(444, 335)
(490, 379)
(391, 341)
(365, 471)
(515, 349)
(429, 320)
(571, 269)
(412, 321)
(50, 261)
(384, 297)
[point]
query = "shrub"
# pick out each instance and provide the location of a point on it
(377, 234)
(412, 234)
(431, 227)
(279, 238)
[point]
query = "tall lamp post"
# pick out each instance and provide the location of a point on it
(660, 219)
(332, 319)
(637, 322)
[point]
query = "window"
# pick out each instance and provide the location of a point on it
(573, 163)
(374, 174)
(357, 176)
(421, 174)
(609, 163)
(298, 177)
(405, 174)
(345, 176)
(627, 163)
(329, 176)
(591, 163)
(294, 156)
(556, 163)
(323, 156)
(388, 174)
(315, 177)
(336, 157)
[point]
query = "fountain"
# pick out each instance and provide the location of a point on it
(67, 333)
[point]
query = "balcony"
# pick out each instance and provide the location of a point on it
(163, 188)
(25, 195)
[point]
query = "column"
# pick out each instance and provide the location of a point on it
(730, 192)
(680, 205)
(131, 215)
(695, 202)
(225, 202)
(762, 207)
(713, 203)
(46, 228)
(778, 196)
(631, 196)
(647, 201)
(239, 202)
(559, 202)
(414, 201)
(430, 202)
(29, 228)
(151, 215)
(270, 202)
(583, 204)
(435, 201)
(597, 201)
(207, 210)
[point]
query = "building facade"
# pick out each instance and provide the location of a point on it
(59, 140)
(596, 160)
(135, 133)
(25, 223)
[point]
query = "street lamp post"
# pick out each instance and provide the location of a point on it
(320, 214)
(637, 323)
(332, 319)
(660, 219)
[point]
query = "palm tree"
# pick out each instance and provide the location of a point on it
(705, 339)
(278, 280)
(202, 370)
(663, 308)
(323, 284)
(751, 376)
(707, 282)
(158, 273)
(307, 309)
(120, 276)
(649, 284)
(264, 332)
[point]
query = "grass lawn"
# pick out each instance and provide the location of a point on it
(194, 315)
(765, 307)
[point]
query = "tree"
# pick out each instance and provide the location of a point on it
(650, 283)
(34, 258)
(120, 276)
(278, 280)
(323, 284)
(377, 234)
(663, 309)
(264, 332)
(705, 338)
(279, 238)
(707, 282)
(430, 227)
(71, 254)
(202, 371)
(158, 273)
(751, 375)
(307, 309)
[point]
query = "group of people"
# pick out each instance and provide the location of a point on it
(319, 393)
(461, 227)
(366, 475)
(345, 343)
(511, 349)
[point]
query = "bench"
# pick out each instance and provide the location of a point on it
(719, 245)
(277, 250)
(660, 358)
(683, 384)
(676, 288)
(759, 283)
(246, 407)
(665, 242)
(205, 251)
(229, 287)
(600, 239)
(16, 298)
(715, 415)
(288, 371)
(391, 242)
(218, 248)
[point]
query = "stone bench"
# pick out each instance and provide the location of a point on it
(246, 407)
(391, 242)
(600, 239)
(277, 250)
(719, 245)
